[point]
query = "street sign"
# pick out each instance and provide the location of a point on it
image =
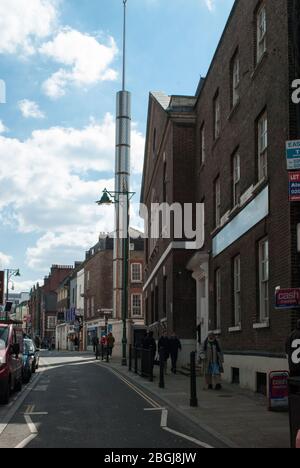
(293, 155)
(287, 298)
(278, 390)
(294, 186)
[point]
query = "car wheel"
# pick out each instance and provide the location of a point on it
(4, 396)
(18, 385)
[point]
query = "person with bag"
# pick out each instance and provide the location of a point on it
(213, 362)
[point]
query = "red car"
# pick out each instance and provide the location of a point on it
(11, 359)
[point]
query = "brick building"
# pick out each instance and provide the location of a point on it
(43, 302)
(169, 290)
(98, 291)
(243, 116)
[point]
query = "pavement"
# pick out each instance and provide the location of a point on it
(237, 418)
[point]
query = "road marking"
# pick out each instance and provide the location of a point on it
(30, 424)
(18, 403)
(164, 418)
(191, 439)
(41, 388)
(157, 407)
(137, 390)
(36, 414)
(26, 441)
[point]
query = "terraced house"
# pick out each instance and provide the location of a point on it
(225, 147)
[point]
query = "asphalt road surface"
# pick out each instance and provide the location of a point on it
(76, 402)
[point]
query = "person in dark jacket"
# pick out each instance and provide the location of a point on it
(174, 347)
(293, 351)
(164, 348)
(149, 344)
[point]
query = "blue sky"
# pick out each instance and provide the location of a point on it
(61, 62)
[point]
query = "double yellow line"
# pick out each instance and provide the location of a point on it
(149, 400)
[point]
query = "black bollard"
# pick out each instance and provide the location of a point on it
(150, 359)
(135, 360)
(194, 399)
(130, 358)
(107, 354)
(161, 368)
(102, 352)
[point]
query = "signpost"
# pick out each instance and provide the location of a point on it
(294, 186)
(287, 298)
(293, 155)
(278, 390)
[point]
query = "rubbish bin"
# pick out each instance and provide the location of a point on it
(294, 408)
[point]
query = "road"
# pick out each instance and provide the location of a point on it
(76, 402)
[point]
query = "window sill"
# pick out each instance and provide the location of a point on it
(235, 329)
(261, 325)
(259, 64)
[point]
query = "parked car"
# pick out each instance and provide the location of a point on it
(30, 359)
(11, 359)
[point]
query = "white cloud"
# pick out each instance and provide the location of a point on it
(5, 260)
(3, 128)
(23, 23)
(50, 183)
(85, 61)
(30, 109)
(25, 286)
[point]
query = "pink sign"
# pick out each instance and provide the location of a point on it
(278, 390)
(288, 298)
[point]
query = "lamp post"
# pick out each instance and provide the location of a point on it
(109, 198)
(9, 274)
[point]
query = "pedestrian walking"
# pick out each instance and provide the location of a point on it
(164, 349)
(293, 351)
(95, 342)
(103, 344)
(213, 362)
(148, 344)
(110, 343)
(174, 347)
(96, 347)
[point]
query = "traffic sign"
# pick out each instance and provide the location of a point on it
(293, 155)
(294, 186)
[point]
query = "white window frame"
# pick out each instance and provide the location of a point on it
(262, 130)
(134, 277)
(236, 179)
(51, 322)
(134, 307)
(235, 80)
(237, 290)
(264, 276)
(218, 287)
(218, 202)
(202, 144)
(217, 117)
(261, 32)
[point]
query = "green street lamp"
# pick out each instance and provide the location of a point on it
(110, 198)
(9, 274)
